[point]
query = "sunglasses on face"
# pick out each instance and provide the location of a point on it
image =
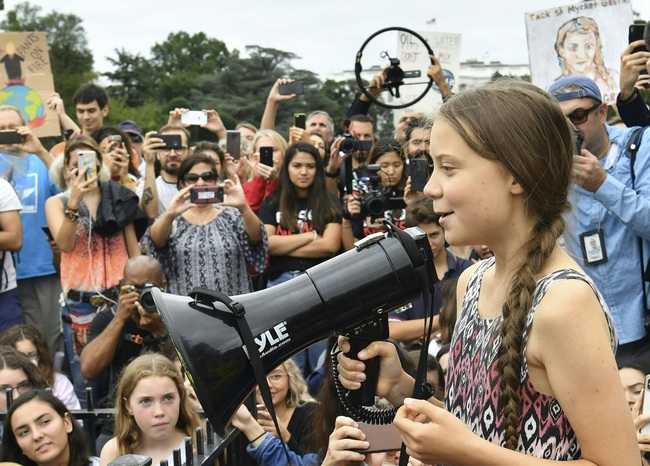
(192, 178)
(580, 115)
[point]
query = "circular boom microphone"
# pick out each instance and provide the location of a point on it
(338, 296)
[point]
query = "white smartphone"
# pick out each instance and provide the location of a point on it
(194, 117)
(646, 404)
(87, 163)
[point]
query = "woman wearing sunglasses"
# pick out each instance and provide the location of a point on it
(201, 241)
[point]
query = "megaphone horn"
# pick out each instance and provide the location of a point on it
(378, 276)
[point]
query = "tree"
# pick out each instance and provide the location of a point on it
(197, 54)
(133, 78)
(71, 59)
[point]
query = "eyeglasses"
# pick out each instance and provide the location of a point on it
(580, 115)
(275, 377)
(177, 150)
(193, 178)
(20, 389)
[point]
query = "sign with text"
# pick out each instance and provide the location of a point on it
(413, 55)
(26, 79)
(584, 39)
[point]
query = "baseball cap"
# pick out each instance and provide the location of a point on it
(586, 88)
(131, 127)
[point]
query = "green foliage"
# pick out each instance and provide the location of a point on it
(150, 115)
(70, 57)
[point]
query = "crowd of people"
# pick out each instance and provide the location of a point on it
(539, 345)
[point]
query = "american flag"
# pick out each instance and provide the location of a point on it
(432, 21)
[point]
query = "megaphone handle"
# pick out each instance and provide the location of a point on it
(365, 395)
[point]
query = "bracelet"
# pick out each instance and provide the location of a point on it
(258, 437)
(333, 175)
(315, 235)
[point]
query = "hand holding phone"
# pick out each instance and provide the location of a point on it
(299, 120)
(172, 141)
(11, 136)
(646, 404)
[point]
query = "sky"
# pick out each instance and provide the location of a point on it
(325, 34)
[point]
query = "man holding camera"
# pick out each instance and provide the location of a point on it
(611, 211)
(122, 331)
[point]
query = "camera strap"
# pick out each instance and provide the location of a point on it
(238, 311)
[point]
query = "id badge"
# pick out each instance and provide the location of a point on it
(593, 247)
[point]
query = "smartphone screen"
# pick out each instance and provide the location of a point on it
(266, 155)
(299, 120)
(87, 163)
(419, 172)
(233, 144)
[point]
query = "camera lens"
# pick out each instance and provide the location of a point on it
(146, 301)
(348, 145)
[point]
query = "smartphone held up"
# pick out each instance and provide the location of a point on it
(206, 195)
(87, 164)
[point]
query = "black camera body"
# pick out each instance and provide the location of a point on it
(351, 144)
(377, 200)
(146, 298)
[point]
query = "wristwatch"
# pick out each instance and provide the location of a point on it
(71, 215)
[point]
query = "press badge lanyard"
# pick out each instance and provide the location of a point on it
(592, 242)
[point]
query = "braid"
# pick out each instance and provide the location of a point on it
(515, 311)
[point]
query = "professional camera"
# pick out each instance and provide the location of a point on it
(351, 144)
(377, 200)
(146, 298)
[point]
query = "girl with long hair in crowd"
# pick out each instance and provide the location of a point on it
(532, 377)
(29, 341)
(18, 374)
(153, 414)
(303, 222)
(40, 431)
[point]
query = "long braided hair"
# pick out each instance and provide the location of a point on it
(522, 127)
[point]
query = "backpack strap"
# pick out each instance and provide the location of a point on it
(633, 144)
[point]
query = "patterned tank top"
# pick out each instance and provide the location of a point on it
(472, 389)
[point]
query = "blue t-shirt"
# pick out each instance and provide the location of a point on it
(30, 178)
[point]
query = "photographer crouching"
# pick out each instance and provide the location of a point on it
(378, 193)
(122, 331)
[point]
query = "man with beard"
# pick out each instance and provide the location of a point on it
(161, 190)
(361, 129)
(418, 138)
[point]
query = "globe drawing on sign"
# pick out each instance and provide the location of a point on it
(27, 101)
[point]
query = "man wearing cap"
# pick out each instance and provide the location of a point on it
(610, 213)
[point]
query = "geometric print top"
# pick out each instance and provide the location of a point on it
(472, 390)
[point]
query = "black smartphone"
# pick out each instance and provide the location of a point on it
(636, 33)
(206, 195)
(47, 231)
(294, 87)
(11, 136)
(266, 155)
(300, 120)
(233, 144)
(172, 141)
(419, 172)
